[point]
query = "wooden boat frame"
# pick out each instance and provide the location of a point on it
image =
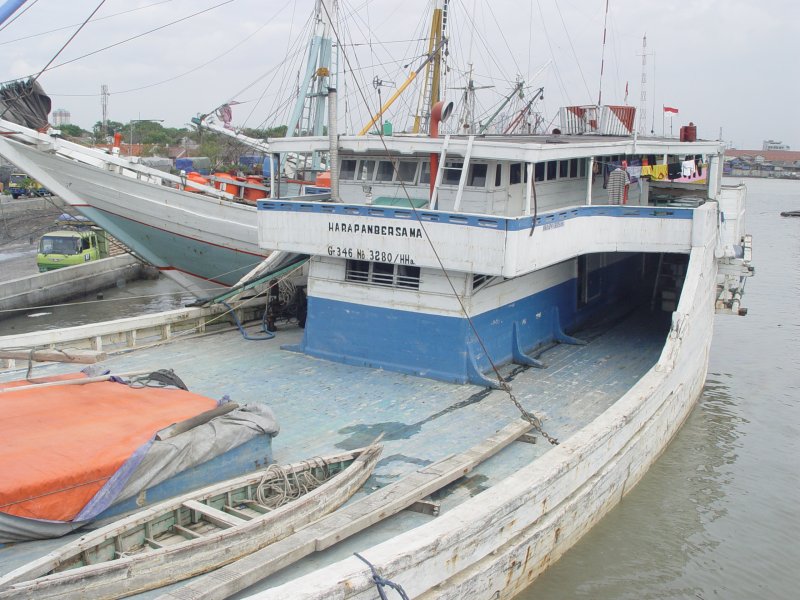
(120, 573)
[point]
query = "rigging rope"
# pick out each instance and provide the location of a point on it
(530, 417)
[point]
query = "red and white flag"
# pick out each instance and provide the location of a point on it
(670, 109)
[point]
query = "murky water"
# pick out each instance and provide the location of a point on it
(718, 516)
(125, 300)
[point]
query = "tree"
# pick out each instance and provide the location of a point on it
(72, 131)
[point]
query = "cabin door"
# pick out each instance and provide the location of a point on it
(590, 277)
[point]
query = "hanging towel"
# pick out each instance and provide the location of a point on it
(687, 168)
(618, 181)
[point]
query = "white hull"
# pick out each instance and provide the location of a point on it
(497, 543)
(204, 243)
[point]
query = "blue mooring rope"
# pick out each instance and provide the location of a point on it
(382, 582)
(245, 335)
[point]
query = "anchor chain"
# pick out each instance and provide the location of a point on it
(527, 415)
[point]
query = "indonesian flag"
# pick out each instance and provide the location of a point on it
(670, 109)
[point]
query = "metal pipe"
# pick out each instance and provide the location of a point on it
(333, 137)
(436, 118)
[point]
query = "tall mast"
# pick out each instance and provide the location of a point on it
(643, 95)
(431, 88)
(313, 88)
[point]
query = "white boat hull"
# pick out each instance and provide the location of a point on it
(204, 243)
(497, 543)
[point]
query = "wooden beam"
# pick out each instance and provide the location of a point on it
(86, 357)
(344, 522)
(212, 515)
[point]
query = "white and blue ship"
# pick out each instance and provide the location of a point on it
(503, 266)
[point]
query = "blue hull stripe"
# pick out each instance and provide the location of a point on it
(481, 221)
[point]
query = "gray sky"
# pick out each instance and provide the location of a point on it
(724, 64)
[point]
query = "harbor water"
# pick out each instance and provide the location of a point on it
(718, 515)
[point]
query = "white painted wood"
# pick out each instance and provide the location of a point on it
(440, 171)
(347, 521)
(462, 180)
(132, 573)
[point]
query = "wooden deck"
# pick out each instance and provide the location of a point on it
(323, 406)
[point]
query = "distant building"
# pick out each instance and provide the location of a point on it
(773, 145)
(762, 163)
(61, 117)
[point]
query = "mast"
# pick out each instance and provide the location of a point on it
(643, 95)
(309, 112)
(431, 88)
(517, 90)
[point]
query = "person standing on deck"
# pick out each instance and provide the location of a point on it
(618, 183)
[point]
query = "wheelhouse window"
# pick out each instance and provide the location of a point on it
(366, 170)
(425, 172)
(383, 274)
(573, 167)
(407, 171)
(347, 172)
(452, 173)
(563, 169)
(552, 170)
(477, 175)
(498, 175)
(385, 171)
(515, 174)
(538, 172)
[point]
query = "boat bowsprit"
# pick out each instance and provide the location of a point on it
(80, 449)
(196, 532)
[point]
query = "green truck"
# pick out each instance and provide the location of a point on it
(73, 241)
(22, 186)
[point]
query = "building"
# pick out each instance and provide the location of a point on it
(61, 116)
(762, 163)
(773, 145)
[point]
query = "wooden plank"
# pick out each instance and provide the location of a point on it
(237, 513)
(86, 357)
(212, 515)
(345, 522)
(187, 533)
(192, 422)
(83, 381)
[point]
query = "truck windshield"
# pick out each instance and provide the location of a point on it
(59, 245)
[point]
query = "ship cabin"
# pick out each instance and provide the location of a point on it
(506, 246)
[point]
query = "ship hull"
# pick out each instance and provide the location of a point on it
(203, 243)
(497, 543)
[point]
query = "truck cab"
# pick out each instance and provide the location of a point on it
(21, 186)
(74, 242)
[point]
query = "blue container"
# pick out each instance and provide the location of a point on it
(266, 170)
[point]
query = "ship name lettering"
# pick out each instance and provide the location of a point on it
(384, 230)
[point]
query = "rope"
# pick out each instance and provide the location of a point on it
(279, 486)
(382, 582)
(535, 422)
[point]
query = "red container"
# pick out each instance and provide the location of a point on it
(689, 133)
(196, 178)
(226, 183)
(254, 193)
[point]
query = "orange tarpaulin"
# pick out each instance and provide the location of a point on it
(61, 444)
